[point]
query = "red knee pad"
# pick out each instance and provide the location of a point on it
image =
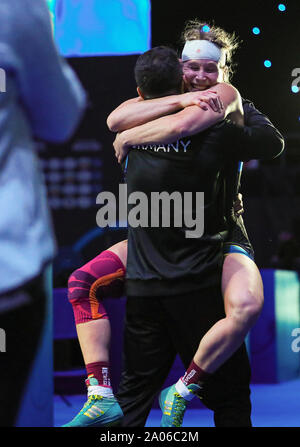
(102, 277)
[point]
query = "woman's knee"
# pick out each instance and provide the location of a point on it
(245, 305)
(242, 288)
(86, 308)
(79, 284)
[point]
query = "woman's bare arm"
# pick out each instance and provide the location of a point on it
(188, 121)
(137, 111)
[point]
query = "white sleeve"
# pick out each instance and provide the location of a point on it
(49, 89)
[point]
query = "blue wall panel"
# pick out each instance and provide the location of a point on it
(101, 27)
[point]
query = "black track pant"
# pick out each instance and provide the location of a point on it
(156, 329)
(23, 326)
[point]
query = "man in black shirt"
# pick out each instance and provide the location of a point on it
(173, 281)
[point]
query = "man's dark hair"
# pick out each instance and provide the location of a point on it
(158, 72)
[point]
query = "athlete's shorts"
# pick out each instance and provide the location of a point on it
(238, 241)
(236, 249)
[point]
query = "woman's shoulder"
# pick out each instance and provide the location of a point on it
(227, 90)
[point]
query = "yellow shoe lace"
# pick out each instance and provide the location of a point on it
(179, 410)
(91, 398)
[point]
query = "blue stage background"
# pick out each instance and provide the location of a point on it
(102, 40)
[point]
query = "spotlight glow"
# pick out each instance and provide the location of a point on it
(206, 28)
(281, 7)
(267, 63)
(256, 30)
(295, 89)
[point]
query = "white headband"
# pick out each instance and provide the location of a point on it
(202, 49)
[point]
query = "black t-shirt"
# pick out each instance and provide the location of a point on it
(162, 260)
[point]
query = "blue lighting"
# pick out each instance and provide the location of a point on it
(256, 30)
(295, 89)
(206, 29)
(267, 63)
(281, 7)
(101, 27)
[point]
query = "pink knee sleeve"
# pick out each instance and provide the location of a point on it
(102, 277)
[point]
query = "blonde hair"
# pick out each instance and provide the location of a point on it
(229, 42)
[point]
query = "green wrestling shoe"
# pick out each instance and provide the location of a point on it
(173, 405)
(98, 411)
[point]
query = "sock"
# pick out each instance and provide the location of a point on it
(101, 372)
(194, 374)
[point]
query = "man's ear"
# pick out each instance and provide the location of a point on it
(140, 93)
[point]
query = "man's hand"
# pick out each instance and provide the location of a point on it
(203, 99)
(121, 149)
(238, 206)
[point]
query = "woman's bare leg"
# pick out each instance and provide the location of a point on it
(94, 336)
(243, 300)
